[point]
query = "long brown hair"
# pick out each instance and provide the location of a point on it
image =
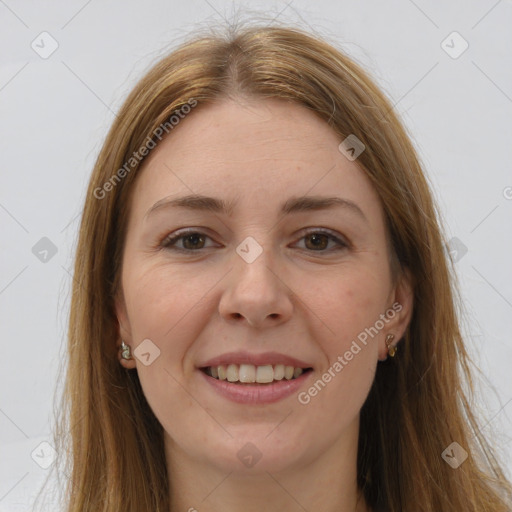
(420, 401)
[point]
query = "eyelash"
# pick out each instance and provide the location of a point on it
(169, 241)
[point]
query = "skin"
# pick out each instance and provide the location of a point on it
(308, 302)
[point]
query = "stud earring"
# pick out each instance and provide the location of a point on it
(391, 348)
(126, 352)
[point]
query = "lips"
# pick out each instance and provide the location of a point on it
(255, 378)
(249, 373)
(266, 358)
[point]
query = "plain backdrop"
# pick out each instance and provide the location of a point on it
(56, 109)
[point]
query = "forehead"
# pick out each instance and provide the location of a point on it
(257, 151)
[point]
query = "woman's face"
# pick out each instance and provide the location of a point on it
(278, 279)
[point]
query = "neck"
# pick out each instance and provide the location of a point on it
(327, 483)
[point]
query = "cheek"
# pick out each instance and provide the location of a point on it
(164, 308)
(170, 306)
(333, 401)
(346, 305)
(161, 299)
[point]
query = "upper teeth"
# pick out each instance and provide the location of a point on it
(251, 373)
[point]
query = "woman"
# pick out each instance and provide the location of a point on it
(263, 316)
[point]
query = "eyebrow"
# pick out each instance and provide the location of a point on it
(292, 205)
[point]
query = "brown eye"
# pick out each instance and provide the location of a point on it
(319, 241)
(191, 241)
(194, 240)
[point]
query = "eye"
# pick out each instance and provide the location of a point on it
(316, 240)
(192, 240)
(319, 240)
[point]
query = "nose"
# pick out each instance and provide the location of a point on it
(256, 293)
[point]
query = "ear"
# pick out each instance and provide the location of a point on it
(401, 302)
(124, 330)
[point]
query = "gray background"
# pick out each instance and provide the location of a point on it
(55, 112)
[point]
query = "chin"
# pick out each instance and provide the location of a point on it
(258, 454)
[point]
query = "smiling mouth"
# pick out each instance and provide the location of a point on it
(251, 374)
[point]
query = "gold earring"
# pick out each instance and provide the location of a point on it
(391, 348)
